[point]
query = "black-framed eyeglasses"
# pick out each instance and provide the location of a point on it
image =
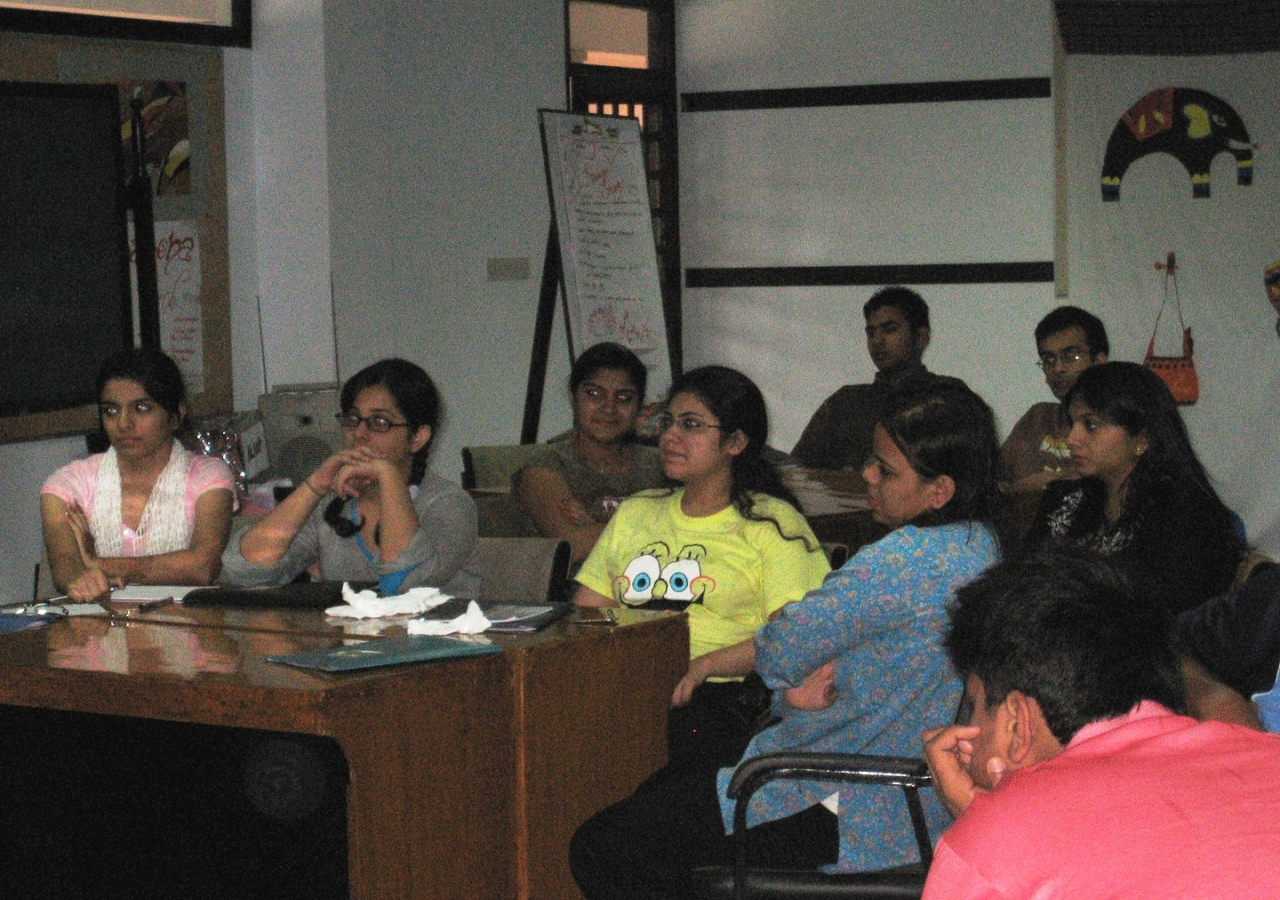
(1068, 357)
(376, 424)
(687, 424)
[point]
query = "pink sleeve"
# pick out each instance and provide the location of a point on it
(207, 474)
(76, 482)
(952, 878)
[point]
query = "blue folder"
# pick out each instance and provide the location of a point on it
(384, 652)
(21, 622)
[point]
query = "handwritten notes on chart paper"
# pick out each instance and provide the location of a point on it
(178, 280)
(600, 199)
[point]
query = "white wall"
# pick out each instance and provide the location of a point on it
(865, 185)
(284, 87)
(25, 467)
(747, 44)
(278, 203)
(435, 166)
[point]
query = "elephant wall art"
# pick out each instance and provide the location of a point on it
(1191, 125)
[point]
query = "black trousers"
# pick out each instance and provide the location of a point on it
(718, 722)
(645, 847)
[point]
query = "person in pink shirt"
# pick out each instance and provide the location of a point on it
(147, 511)
(1076, 777)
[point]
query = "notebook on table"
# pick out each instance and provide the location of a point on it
(384, 652)
(507, 618)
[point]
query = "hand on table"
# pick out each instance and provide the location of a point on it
(92, 585)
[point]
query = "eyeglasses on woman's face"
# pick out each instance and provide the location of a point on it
(689, 425)
(376, 424)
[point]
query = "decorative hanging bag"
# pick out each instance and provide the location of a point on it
(1177, 372)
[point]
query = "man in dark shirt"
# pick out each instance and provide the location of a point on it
(839, 434)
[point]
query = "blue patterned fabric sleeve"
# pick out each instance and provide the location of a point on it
(880, 618)
(868, 597)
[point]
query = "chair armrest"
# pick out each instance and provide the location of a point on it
(858, 768)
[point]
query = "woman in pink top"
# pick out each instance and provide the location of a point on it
(147, 511)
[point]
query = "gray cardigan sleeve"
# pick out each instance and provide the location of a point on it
(443, 554)
(305, 550)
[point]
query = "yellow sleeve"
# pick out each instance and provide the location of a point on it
(791, 569)
(600, 565)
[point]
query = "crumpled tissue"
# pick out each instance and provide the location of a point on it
(473, 621)
(368, 605)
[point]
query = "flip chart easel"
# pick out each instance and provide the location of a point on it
(600, 250)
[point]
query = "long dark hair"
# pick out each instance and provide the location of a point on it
(1134, 397)
(415, 394)
(947, 429)
(737, 403)
(154, 370)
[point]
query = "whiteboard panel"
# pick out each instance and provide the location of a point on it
(868, 185)
(609, 262)
(742, 44)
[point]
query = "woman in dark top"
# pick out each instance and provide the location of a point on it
(1143, 497)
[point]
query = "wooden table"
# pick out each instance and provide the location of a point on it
(467, 777)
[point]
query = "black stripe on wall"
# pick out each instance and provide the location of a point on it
(1185, 28)
(835, 276)
(868, 94)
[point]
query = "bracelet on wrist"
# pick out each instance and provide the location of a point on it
(311, 487)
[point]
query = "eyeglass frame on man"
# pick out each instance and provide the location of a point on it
(1068, 357)
(375, 424)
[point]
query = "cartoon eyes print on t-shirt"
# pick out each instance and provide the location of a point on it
(647, 582)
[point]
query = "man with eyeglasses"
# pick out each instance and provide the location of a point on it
(839, 434)
(1068, 341)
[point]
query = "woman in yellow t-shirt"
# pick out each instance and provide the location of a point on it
(728, 546)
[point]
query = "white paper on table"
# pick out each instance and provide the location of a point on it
(141, 593)
(473, 621)
(368, 605)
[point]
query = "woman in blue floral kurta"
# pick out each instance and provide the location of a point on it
(879, 618)
(857, 666)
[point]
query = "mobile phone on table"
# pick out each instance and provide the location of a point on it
(131, 605)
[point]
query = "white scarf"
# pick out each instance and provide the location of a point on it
(164, 526)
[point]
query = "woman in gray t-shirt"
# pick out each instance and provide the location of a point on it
(571, 486)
